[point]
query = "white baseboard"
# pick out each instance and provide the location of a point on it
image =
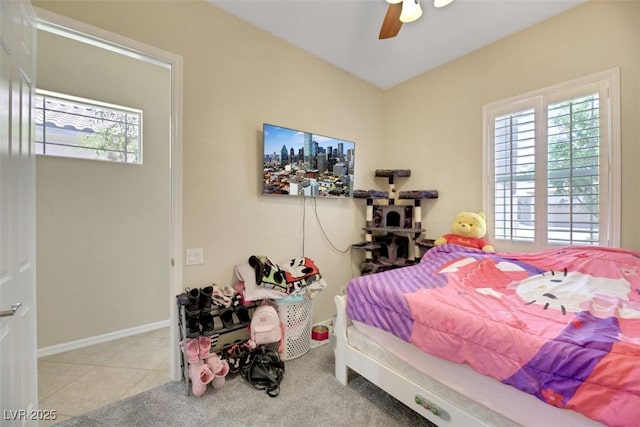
(328, 322)
(98, 339)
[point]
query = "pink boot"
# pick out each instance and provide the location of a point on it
(219, 367)
(200, 375)
(205, 346)
(219, 376)
(213, 361)
(193, 349)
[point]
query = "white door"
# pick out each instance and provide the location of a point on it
(18, 364)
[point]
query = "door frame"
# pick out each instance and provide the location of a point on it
(111, 41)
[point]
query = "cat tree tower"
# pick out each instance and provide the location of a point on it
(393, 224)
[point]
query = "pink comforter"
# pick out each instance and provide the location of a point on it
(563, 325)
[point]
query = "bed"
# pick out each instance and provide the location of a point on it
(467, 337)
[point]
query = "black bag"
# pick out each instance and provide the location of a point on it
(264, 370)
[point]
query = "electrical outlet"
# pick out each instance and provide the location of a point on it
(194, 256)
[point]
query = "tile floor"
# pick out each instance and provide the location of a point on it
(82, 380)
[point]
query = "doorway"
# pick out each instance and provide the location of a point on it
(108, 233)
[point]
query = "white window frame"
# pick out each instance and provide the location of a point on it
(608, 82)
(77, 149)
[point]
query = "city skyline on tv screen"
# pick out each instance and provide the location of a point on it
(298, 163)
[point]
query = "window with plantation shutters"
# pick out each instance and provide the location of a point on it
(573, 171)
(552, 166)
(514, 178)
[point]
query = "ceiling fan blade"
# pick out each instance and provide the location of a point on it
(391, 24)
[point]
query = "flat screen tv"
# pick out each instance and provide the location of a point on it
(298, 163)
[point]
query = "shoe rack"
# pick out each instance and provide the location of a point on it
(182, 333)
(225, 325)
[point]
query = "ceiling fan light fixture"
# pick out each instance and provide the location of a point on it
(394, 1)
(410, 11)
(440, 3)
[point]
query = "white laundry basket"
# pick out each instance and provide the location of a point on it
(296, 314)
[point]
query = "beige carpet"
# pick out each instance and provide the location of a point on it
(310, 395)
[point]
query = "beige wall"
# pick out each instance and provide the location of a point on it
(103, 229)
(436, 118)
(236, 77)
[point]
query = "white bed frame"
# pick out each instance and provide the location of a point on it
(483, 398)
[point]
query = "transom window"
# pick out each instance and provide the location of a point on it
(69, 126)
(552, 166)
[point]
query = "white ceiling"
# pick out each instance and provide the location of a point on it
(345, 32)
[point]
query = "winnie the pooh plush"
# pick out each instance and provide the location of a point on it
(468, 230)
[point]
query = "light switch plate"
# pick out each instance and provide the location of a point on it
(195, 256)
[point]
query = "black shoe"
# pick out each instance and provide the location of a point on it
(193, 327)
(227, 318)
(206, 321)
(243, 315)
(205, 299)
(193, 303)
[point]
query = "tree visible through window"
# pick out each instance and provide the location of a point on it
(573, 175)
(549, 166)
(74, 127)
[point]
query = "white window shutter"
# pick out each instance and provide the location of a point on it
(548, 165)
